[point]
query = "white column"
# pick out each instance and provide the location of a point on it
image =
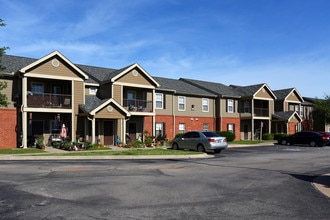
(93, 131)
(24, 113)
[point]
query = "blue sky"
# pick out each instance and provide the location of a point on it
(284, 43)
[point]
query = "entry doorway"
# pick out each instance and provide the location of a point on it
(132, 131)
(108, 128)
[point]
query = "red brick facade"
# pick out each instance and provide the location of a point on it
(235, 122)
(191, 123)
(7, 129)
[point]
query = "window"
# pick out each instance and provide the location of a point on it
(37, 87)
(182, 103)
(160, 129)
(92, 90)
(205, 127)
(131, 98)
(296, 108)
(230, 105)
(205, 105)
(230, 127)
(301, 110)
(182, 128)
(246, 106)
(159, 101)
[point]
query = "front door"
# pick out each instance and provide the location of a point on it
(132, 131)
(108, 133)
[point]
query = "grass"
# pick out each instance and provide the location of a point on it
(21, 151)
(129, 152)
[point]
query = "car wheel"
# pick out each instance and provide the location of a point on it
(200, 148)
(217, 151)
(175, 146)
(284, 142)
(312, 144)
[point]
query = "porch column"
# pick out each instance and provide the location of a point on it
(252, 121)
(24, 113)
(93, 131)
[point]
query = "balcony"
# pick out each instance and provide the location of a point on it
(48, 100)
(261, 112)
(137, 105)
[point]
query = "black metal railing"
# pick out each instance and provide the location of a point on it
(137, 105)
(48, 100)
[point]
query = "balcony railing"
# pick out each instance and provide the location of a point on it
(48, 100)
(137, 105)
(263, 112)
(259, 112)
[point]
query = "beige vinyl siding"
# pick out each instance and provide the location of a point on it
(263, 93)
(197, 102)
(78, 98)
(114, 114)
(47, 69)
(223, 107)
(293, 97)
(131, 77)
(117, 93)
(167, 104)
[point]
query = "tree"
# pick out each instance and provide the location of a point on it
(322, 107)
(3, 98)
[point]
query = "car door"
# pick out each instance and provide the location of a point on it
(194, 140)
(185, 141)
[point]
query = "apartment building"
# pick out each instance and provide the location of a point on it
(103, 104)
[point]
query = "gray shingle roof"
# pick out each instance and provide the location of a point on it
(15, 63)
(181, 87)
(214, 88)
(284, 115)
(281, 94)
(96, 74)
(247, 90)
(91, 103)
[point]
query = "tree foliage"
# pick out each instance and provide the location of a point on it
(3, 84)
(322, 107)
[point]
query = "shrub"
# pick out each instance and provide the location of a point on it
(228, 134)
(268, 136)
(278, 136)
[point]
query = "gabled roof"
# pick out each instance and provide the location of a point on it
(214, 88)
(54, 54)
(286, 115)
(282, 94)
(251, 90)
(181, 87)
(125, 70)
(93, 104)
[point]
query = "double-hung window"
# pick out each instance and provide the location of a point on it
(182, 127)
(205, 105)
(159, 100)
(230, 105)
(182, 103)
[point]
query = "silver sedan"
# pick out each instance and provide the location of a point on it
(200, 141)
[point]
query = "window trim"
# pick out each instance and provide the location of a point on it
(230, 105)
(184, 103)
(207, 104)
(161, 101)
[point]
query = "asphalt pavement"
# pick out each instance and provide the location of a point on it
(321, 183)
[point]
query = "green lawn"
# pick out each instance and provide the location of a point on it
(129, 152)
(21, 151)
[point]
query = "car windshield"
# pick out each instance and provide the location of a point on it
(210, 134)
